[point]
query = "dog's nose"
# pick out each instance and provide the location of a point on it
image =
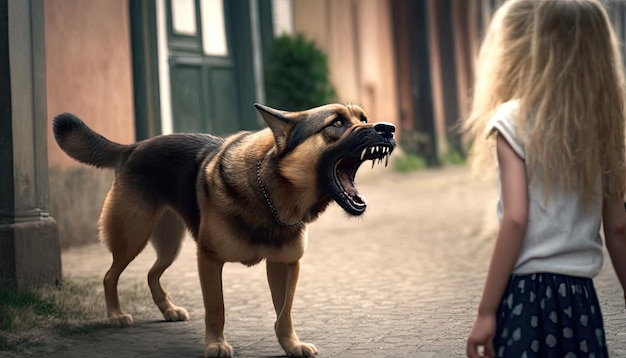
(385, 130)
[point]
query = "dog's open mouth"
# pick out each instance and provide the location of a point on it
(343, 188)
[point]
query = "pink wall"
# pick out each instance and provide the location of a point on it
(88, 73)
(357, 38)
(88, 68)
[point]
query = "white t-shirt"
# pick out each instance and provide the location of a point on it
(562, 235)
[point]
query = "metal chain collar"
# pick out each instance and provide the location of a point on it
(269, 202)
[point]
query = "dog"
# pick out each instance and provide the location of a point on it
(244, 198)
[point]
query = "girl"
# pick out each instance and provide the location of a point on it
(550, 97)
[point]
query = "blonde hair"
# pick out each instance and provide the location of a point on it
(561, 60)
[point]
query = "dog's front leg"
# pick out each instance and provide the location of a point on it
(210, 272)
(282, 279)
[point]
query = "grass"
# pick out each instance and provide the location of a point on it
(453, 158)
(408, 162)
(32, 318)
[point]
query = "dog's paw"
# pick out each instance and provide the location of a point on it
(176, 314)
(301, 349)
(222, 349)
(121, 319)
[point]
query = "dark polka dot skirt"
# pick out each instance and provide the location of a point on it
(550, 316)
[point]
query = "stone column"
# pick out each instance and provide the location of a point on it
(29, 245)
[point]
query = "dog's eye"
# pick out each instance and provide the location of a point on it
(363, 119)
(338, 123)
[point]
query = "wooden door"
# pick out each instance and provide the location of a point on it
(207, 70)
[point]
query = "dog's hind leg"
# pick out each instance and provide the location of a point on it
(125, 226)
(166, 239)
(282, 279)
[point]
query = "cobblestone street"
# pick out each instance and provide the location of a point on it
(402, 281)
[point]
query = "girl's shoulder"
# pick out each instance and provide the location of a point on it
(509, 109)
(503, 122)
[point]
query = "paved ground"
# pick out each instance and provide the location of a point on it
(403, 281)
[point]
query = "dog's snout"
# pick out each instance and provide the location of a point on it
(385, 130)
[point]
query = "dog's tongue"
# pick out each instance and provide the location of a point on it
(350, 189)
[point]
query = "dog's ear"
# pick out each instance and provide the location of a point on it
(279, 122)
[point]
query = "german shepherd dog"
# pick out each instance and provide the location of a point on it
(243, 198)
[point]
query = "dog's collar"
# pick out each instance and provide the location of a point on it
(269, 202)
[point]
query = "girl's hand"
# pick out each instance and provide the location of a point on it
(481, 336)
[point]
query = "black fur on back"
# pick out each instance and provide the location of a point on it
(162, 170)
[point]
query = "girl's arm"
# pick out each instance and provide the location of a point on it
(512, 226)
(508, 244)
(614, 222)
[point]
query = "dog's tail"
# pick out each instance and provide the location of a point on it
(83, 144)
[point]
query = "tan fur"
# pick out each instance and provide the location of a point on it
(300, 170)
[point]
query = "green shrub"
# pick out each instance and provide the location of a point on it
(296, 75)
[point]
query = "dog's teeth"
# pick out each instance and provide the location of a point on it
(371, 150)
(363, 153)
